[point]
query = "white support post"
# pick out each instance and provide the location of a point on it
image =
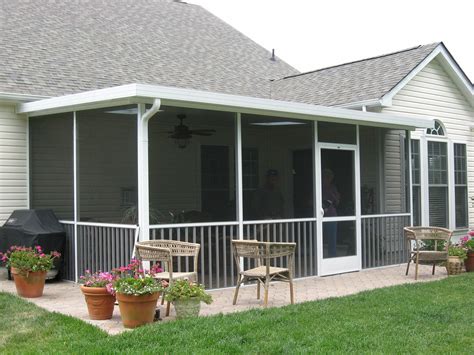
(76, 194)
(410, 178)
(239, 184)
(238, 170)
(143, 117)
(317, 202)
(358, 199)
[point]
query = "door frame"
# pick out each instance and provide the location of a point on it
(338, 265)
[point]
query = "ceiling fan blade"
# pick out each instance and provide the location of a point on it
(202, 134)
(200, 131)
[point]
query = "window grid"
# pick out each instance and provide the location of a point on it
(438, 183)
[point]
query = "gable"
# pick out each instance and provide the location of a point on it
(433, 93)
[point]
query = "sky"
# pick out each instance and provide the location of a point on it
(312, 34)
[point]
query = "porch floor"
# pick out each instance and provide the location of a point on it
(66, 297)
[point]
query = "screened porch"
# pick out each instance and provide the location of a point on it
(339, 190)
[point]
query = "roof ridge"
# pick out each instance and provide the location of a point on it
(359, 60)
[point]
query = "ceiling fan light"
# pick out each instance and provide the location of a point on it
(182, 142)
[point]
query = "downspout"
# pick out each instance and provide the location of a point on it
(142, 162)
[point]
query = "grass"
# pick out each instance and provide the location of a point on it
(435, 317)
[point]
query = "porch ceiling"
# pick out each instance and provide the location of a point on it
(140, 93)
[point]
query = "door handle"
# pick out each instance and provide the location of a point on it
(322, 212)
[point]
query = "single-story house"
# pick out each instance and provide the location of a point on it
(145, 119)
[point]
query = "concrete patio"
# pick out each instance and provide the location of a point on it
(66, 297)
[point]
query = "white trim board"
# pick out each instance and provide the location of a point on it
(448, 63)
(140, 93)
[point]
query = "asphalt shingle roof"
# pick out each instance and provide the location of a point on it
(362, 80)
(61, 47)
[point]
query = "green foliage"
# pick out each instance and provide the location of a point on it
(469, 245)
(137, 285)
(29, 259)
(184, 289)
(430, 245)
(455, 250)
(420, 318)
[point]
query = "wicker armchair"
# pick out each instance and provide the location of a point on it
(165, 252)
(263, 253)
(418, 237)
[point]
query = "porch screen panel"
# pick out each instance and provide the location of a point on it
(51, 164)
(384, 171)
(277, 168)
(192, 166)
(416, 181)
(438, 183)
(460, 181)
(107, 165)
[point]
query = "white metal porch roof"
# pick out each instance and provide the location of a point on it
(169, 96)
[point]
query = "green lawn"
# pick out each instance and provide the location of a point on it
(435, 317)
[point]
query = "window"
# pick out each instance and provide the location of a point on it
(438, 184)
(416, 181)
(460, 185)
(438, 130)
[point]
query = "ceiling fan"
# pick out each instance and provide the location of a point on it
(182, 134)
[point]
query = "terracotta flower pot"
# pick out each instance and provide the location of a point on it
(187, 308)
(137, 310)
(29, 284)
(469, 262)
(100, 303)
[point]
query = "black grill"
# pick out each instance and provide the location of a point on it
(30, 228)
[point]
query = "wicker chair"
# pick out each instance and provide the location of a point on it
(263, 253)
(164, 251)
(417, 238)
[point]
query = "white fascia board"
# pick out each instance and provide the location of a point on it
(135, 93)
(448, 64)
(359, 104)
(243, 104)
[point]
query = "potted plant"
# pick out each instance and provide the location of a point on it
(186, 297)
(137, 293)
(29, 267)
(456, 256)
(99, 294)
(468, 243)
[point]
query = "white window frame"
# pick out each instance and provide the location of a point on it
(424, 176)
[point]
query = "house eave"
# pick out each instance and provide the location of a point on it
(15, 98)
(170, 96)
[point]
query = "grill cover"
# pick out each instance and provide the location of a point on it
(34, 227)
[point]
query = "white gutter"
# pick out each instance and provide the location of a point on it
(136, 93)
(142, 162)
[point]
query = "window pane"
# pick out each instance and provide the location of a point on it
(460, 179)
(461, 207)
(415, 161)
(437, 163)
(416, 206)
(438, 206)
